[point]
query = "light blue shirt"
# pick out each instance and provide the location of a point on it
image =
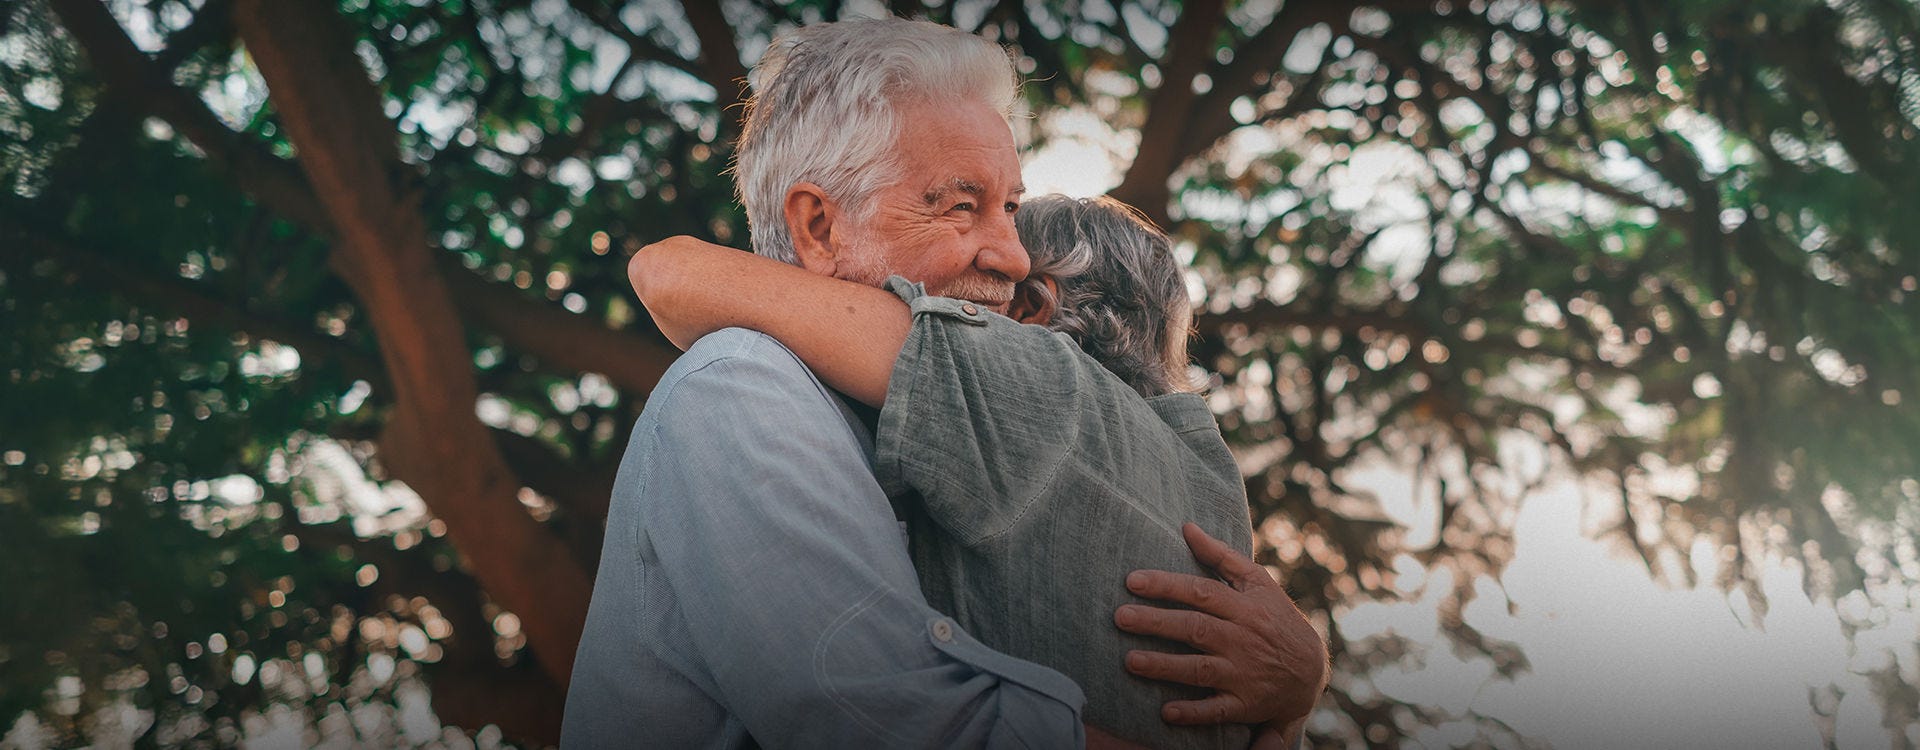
(755, 587)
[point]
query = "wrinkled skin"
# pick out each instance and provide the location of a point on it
(948, 222)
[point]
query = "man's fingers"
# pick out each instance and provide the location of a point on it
(1218, 709)
(1231, 565)
(1196, 629)
(1186, 669)
(1204, 594)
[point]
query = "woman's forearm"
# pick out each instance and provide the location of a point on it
(849, 334)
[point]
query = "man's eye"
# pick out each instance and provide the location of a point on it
(1013, 207)
(961, 207)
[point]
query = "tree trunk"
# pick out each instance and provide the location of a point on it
(1189, 50)
(433, 441)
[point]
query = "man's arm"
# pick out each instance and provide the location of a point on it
(794, 579)
(1267, 662)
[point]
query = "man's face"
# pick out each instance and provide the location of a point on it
(948, 221)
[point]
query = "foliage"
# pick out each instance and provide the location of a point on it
(1653, 245)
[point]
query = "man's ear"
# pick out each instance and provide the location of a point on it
(810, 217)
(1030, 305)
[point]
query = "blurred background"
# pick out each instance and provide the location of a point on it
(1569, 348)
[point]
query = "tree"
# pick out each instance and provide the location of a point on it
(252, 248)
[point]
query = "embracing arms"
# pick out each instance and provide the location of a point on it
(1267, 662)
(792, 594)
(849, 334)
(1258, 651)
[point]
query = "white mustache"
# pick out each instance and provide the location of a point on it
(985, 291)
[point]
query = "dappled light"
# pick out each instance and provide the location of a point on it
(320, 355)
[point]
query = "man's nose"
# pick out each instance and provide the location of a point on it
(1001, 251)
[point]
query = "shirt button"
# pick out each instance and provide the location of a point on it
(970, 309)
(943, 631)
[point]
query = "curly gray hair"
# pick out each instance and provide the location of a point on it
(824, 110)
(1122, 298)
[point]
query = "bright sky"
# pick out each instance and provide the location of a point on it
(1082, 158)
(1619, 661)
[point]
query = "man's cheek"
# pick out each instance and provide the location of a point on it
(923, 246)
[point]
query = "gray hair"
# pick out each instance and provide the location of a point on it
(1122, 298)
(824, 106)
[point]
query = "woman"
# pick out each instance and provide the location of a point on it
(1042, 462)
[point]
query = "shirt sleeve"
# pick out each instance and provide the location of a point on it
(983, 413)
(795, 581)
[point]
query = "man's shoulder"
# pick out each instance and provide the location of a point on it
(733, 366)
(733, 345)
(730, 355)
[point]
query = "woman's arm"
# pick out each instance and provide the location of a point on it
(849, 334)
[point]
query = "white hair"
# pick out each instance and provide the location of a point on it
(825, 110)
(1122, 297)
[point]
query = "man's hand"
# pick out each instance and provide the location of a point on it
(1268, 664)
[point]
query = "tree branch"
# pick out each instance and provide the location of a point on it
(638, 45)
(195, 301)
(582, 492)
(1264, 314)
(332, 114)
(593, 120)
(1189, 50)
(719, 56)
(1260, 54)
(213, 22)
(1181, 124)
(1541, 164)
(131, 75)
(471, 688)
(1814, 52)
(559, 338)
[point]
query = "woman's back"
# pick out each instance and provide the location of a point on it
(1042, 479)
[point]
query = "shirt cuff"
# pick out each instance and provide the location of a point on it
(919, 302)
(947, 636)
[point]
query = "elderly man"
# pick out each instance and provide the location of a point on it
(755, 587)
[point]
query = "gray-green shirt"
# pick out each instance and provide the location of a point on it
(1042, 480)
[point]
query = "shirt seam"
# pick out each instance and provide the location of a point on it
(1032, 499)
(662, 395)
(820, 671)
(1073, 454)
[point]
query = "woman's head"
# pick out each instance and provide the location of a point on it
(1120, 294)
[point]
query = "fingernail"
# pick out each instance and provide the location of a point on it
(1136, 580)
(1125, 615)
(1173, 714)
(1135, 660)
